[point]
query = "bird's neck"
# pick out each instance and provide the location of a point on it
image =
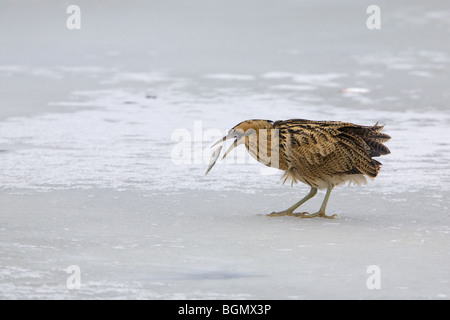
(264, 146)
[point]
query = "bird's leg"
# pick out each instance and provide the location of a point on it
(321, 212)
(290, 210)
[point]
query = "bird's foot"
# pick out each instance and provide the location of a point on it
(302, 214)
(334, 216)
(280, 214)
(314, 215)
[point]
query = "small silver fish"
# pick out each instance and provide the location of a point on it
(213, 159)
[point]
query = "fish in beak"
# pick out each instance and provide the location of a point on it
(213, 159)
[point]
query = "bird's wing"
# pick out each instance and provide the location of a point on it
(307, 139)
(335, 146)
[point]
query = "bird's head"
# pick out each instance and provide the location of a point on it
(243, 131)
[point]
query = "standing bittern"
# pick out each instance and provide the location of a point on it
(321, 154)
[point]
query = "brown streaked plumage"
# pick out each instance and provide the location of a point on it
(321, 154)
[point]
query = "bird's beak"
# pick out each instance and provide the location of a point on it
(234, 145)
(228, 136)
(232, 135)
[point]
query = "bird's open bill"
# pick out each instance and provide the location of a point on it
(216, 153)
(236, 142)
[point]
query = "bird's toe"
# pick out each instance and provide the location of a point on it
(301, 214)
(323, 215)
(280, 214)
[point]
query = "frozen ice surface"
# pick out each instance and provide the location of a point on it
(214, 244)
(89, 134)
(98, 188)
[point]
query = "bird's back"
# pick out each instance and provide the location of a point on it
(322, 152)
